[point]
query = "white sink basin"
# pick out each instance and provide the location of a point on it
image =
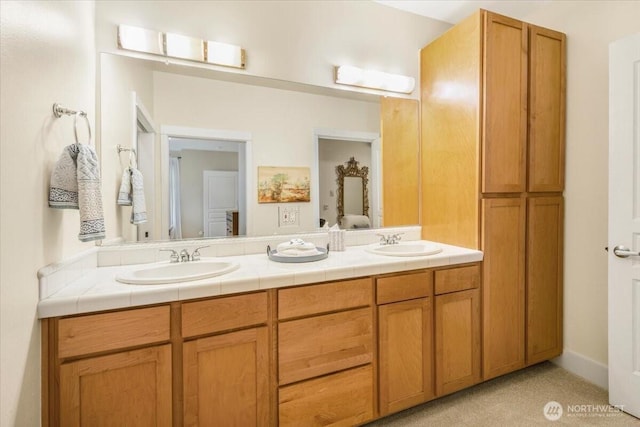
(166, 272)
(406, 249)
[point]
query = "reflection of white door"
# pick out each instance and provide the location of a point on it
(220, 195)
(624, 224)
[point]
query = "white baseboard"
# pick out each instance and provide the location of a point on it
(592, 371)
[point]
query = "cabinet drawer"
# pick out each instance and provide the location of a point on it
(457, 279)
(315, 299)
(324, 344)
(221, 314)
(110, 331)
(343, 399)
(404, 287)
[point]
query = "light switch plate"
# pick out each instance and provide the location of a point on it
(288, 216)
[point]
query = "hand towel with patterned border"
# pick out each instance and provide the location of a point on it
(75, 184)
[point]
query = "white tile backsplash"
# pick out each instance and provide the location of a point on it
(140, 256)
(54, 277)
(108, 258)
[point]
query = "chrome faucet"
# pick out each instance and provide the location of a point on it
(184, 256)
(389, 239)
(195, 256)
(174, 257)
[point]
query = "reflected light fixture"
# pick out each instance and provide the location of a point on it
(140, 40)
(224, 54)
(354, 76)
(180, 46)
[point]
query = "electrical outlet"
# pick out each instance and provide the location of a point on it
(288, 216)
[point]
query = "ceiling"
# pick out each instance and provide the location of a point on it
(453, 11)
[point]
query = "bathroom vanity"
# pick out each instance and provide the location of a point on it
(344, 340)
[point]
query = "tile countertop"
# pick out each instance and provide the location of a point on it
(98, 290)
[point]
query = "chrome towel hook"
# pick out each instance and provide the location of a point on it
(59, 111)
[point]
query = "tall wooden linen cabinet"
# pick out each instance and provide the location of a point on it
(492, 168)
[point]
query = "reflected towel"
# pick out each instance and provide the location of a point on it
(124, 194)
(132, 194)
(75, 184)
(355, 221)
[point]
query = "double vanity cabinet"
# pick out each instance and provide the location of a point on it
(337, 353)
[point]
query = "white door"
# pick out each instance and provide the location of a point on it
(219, 196)
(624, 224)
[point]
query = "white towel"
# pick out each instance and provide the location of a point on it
(299, 252)
(132, 194)
(298, 244)
(75, 184)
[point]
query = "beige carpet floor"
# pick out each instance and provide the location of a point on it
(517, 399)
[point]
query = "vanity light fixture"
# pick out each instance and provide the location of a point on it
(180, 46)
(184, 47)
(140, 40)
(224, 54)
(354, 76)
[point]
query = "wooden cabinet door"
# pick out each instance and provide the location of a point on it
(405, 354)
(226, 379)
(544, 278)
(546, 110)
(131, 388)
(505, 105)
(457, 341)
(399, 126)
(503, 243)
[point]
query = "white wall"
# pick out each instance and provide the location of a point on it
(300, 41)
(47, 55)
(590, 27)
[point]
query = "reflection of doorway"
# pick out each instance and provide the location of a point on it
(198, 157)
(203, 150)
(219, 196)
(335, 147)
(331, 154)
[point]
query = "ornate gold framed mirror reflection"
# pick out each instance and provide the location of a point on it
(353, 195)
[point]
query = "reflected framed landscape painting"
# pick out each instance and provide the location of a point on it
(283, 184)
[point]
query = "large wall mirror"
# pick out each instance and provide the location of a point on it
(271, 123)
